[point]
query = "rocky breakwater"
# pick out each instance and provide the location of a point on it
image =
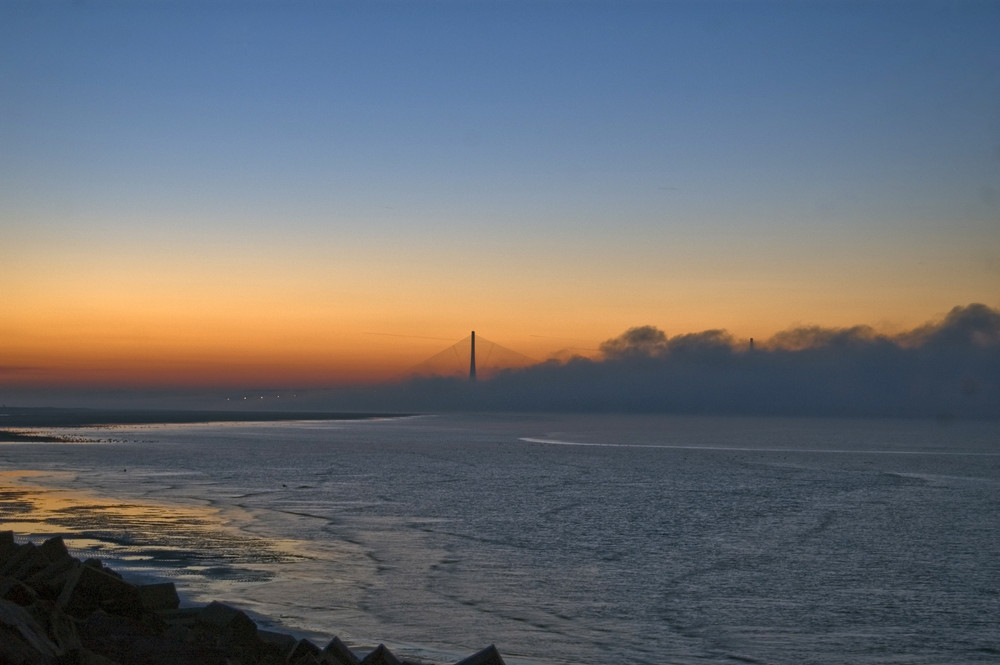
(58, 610)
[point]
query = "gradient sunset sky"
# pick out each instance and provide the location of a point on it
(313, 193)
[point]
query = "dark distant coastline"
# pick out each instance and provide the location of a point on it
(12, 418)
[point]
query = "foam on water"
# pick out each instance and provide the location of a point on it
(556, 442)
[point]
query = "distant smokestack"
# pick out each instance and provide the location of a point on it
(472, 359)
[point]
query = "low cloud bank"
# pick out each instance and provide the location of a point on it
(948, 368)
(942, 369)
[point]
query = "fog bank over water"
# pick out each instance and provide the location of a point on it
(943, 369)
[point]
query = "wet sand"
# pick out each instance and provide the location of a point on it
(178, 541)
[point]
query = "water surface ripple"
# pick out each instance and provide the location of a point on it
(562, 539)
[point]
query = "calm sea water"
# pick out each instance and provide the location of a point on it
(562, 539)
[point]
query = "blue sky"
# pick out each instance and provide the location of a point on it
(568, 168)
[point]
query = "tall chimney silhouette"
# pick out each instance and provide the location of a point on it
(472, 359)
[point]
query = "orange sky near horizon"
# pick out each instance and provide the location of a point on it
(108, 316)
(318, 194)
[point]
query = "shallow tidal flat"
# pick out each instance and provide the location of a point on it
(116, 529)
(55, 608)
(561, 538)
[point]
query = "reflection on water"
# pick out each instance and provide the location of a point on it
(205, 550)
(674, 540)
(190, 538)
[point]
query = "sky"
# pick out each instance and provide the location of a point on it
(230, 194)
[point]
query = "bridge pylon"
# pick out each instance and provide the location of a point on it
(472, 358)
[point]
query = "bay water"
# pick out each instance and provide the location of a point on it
(560, 538)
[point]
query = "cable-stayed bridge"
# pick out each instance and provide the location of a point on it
(474, 357)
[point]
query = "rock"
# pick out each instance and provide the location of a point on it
(302, 649)
(96, 563)
(15, 651)
(88, 657)
(488, 656)
(337, 653)
(24, 638)
(127, 641)
(17, 592)
(280, 643)
(54, 549)
(26, 560)
(59, 627)
(233, 627)
(89, 589)
(161, 596)
(49, 581)
(56, 611)
(185, 616)
(179, 634)
(380, 656)
(7, 545)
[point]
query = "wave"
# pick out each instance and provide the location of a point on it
(829, 451)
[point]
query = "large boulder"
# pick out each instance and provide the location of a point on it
(488, 656)
(281, 644)
(381, 656)
(23, 562)
(156, 597)
(22, 638)
(50, 581)
(304, 652)
(54, 549)
(337, 653)
(89, 588)
(127, 641)
(17, 592)
(7, 545)
(230, 625)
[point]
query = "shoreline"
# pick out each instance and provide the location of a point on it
(56, 417)
(19, 435)
(32, 503)
(57, 609)
(22, 424)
